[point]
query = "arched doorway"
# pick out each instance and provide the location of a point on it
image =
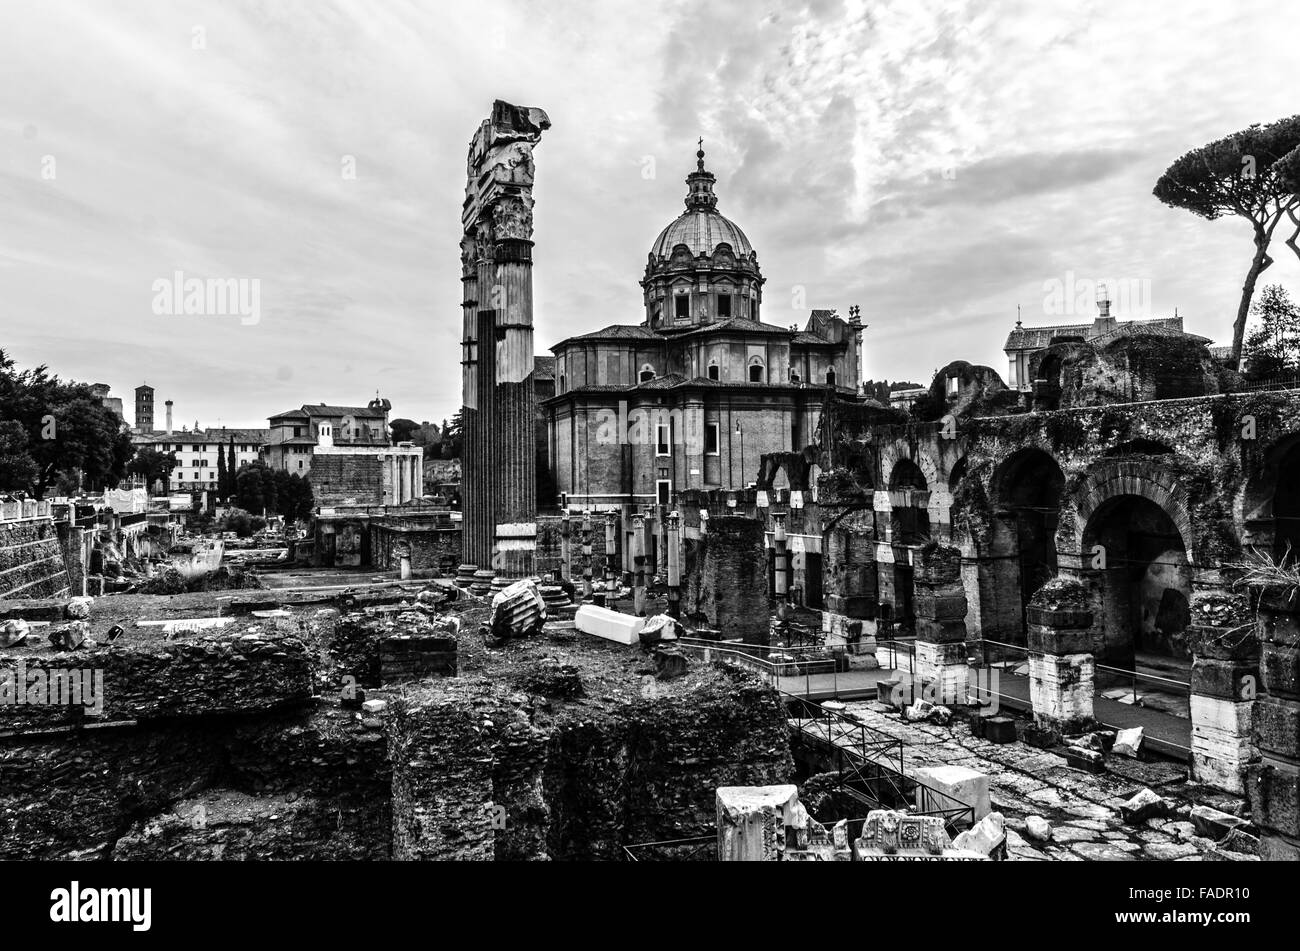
(1286, 507)
(909, 531)
(1028, 486)
(1145, 585)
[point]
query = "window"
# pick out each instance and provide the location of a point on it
(711, 439)
(665, 491)
(954, 384)
(713, 370)
(563, 385)
(682, 306)
(663, 445)
(299, 463)
(724, 305)
(756, 373)
(794, 376)
(830, 377)
(647, 373)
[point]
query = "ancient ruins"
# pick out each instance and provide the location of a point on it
(705, 597)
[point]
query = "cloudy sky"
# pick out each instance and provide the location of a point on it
(936, 163)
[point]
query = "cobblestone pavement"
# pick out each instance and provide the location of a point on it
(1082, 808)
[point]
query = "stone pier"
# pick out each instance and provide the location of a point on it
(1273, 784)
(1061, 666)
(941, 663)
(500, 485)
(1225, 675)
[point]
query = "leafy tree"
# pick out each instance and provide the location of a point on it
(1242, 174)
(221, 471)
(453, 436)
(232, 467)
(17, 467)
(67, 428)
(403, 430)
(154, 466)
(248, 487)
(1273, 347)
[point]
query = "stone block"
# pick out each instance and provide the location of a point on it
(1224, 679)
(966, 786)
(1213, 823)
(941, 632)
(999, 729)
(1279, 669)
(1059, 618)
(752, 821)
(940, 606)
(1273, 789)
(1061, 641)
(1088, 760)
(1061, 689)
(1147, 804)
(1275, 723)
(610, 625)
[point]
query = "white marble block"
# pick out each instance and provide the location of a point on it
(967, 786)
(611, 625)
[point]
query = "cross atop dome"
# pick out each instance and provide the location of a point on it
(700, 197)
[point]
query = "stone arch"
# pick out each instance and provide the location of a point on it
(1025, 492)
(1110, 478)
(1267, 509)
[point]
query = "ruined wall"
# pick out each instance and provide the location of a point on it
(483, 772)
(347, 479)
(31, 561)
(725, 579)
(250, 742)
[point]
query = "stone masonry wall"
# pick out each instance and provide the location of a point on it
(31, 561)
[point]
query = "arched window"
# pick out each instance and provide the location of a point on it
(756, 370)
(562, 387)
(830, 377)
(713, 370)
(647, 373)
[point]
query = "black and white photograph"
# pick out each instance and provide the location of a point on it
(588, 431)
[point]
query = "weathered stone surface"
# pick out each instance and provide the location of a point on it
(1146, 804)
(1038, 829)
(987, 837)
(752, 821)
(958, 783)
(1128, 742)
(226, 825)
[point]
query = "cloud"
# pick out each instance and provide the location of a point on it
(829, 125)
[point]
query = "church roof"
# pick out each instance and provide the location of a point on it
(701, 230)
(1036, 338)
(618, 332)
(739, 325)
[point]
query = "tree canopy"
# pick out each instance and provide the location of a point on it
(65, 429)
(1251, 174)
(153, 466)
(1273, 347)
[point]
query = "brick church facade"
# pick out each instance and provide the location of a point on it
(694, 395)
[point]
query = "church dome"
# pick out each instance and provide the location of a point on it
(701, 230)
(701, 227)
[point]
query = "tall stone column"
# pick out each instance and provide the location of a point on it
(638, 561)
(1273, 784)
(611, 546)
(674, 556)
(586, 554)
(500, 495)
(1062, 671)
(1225, 676)
(940, 606)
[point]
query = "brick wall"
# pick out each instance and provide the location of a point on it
(31, 561)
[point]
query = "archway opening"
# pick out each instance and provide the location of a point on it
(1029, 490)
(909, 522)
(1286, 507)
(1145, 586)
(1047, 388)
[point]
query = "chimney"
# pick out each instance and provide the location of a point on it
(1104, 323)
(169, 417)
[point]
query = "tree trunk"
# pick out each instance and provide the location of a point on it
(1258, 264)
